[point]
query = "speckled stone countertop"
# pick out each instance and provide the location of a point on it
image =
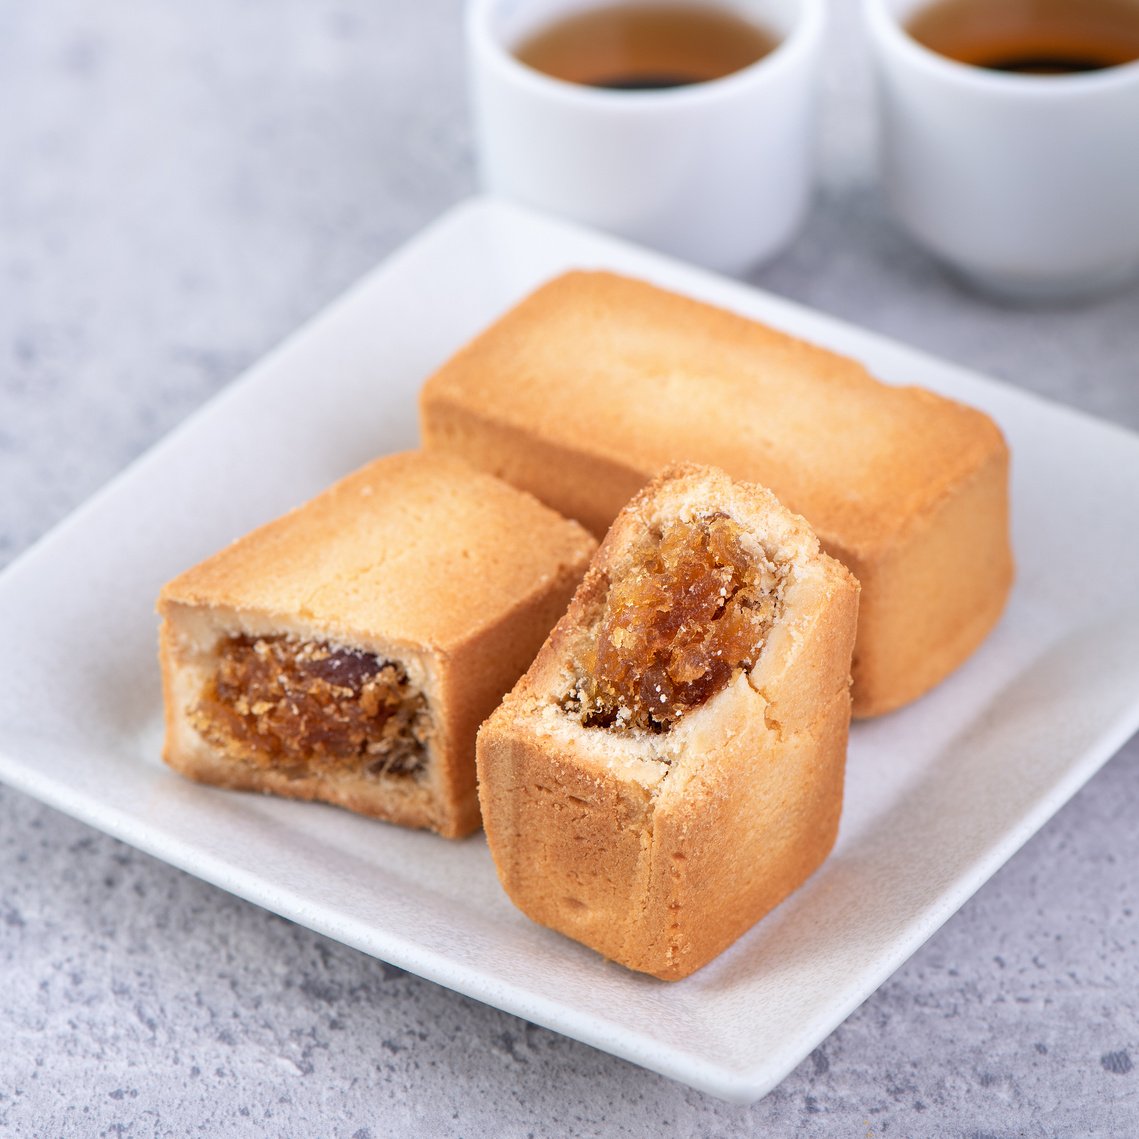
(180, 185)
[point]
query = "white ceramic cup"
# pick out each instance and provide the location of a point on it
(1027, 185)
(717, 173)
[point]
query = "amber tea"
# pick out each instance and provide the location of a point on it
(1031, 37)
(638, 46)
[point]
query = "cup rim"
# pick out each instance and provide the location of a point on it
(799, 42)
(1030, 88)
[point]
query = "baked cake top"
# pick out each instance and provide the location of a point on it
(414, 547)
(645, 377)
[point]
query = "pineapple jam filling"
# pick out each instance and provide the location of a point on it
(312, 709)
(693, 606)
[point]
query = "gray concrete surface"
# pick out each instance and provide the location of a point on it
(181, 183)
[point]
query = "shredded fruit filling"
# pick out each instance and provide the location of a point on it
(309, 708)
(691, 607)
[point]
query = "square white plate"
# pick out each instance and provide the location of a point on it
(938, 795)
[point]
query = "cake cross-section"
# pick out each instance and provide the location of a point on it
(348, 651)
(671, 765)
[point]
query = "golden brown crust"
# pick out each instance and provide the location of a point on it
(596, 381)
(383, 548)
(406, 804)
(416, 558)
(660, 850)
